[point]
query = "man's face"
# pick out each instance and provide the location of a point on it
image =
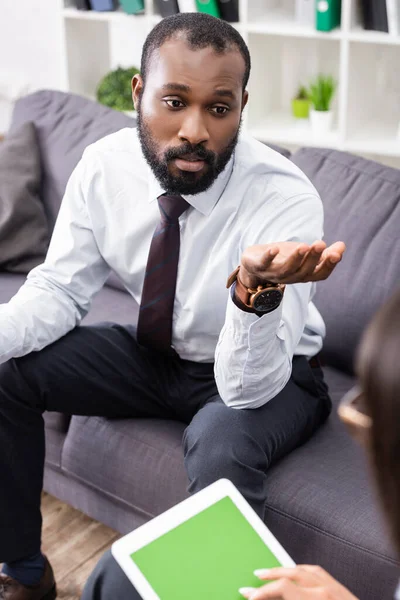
(189, 114)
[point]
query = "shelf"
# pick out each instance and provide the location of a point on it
(292, 29)
(375, 139)
(372, 37)
(281, 128)
(93, 15)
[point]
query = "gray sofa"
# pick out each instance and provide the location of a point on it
(320, 502)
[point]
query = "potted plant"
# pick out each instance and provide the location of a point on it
(114, 90)
(301, 104)
(321, 93)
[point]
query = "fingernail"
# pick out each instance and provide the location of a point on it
(262, 572)
(247, 591)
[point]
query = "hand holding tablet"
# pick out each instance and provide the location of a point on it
(205, 548)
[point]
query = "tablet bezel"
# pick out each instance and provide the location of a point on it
(175, 516)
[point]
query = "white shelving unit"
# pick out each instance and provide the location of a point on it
(284, 55)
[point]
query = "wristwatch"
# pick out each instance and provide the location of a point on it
(261, 300)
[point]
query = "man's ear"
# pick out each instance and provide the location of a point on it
(137, 88)
(245, 98)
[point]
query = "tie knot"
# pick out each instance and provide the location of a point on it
(172, 206)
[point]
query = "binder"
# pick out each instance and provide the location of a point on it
(367, 14)
(82, 4)
(132, 7)
(229, 10)
(166, 8)
(380, 17)
(103, 5)
(328, 14)
(305, 12)
(393, 14)
(187, 5)
(208, 6)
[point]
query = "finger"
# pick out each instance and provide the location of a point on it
(324, 269)
(293, 262)
(329, 582)
(339, 247)
(269, 256)
(298, 574)
(282, 590)
(311, 261)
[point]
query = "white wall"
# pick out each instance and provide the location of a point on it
(31, 50)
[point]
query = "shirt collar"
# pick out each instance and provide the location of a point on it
(203, 202)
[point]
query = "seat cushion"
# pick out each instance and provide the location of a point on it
(362, 207)
(138, 462)
(66, 124)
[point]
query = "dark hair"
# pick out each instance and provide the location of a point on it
(378, 367)
(201, 31)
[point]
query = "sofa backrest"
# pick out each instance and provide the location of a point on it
(65, 124)
(362, 208)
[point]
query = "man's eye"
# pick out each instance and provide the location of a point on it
(174, 103)
(220, 110)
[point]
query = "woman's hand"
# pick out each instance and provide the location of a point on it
(304, 582)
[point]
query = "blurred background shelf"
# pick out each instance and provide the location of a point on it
(285, 55)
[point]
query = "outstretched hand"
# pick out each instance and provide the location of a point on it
(289, 262)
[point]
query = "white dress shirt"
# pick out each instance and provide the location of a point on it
(106, 222)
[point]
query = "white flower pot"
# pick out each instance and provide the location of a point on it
(321, 121)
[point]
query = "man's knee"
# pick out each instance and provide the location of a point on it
(17, 382)
(217, 444)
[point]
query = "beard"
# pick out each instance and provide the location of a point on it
(185, 183)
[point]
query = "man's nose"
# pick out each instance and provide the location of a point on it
(193, 128)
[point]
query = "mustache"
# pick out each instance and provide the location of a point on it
(186, 149)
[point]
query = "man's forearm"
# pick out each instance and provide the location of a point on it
(252, 362)
(33, 319)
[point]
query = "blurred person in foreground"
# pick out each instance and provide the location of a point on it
(371, 412)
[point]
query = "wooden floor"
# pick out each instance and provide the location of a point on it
(73, 544)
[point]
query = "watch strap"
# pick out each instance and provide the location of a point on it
(243, 296)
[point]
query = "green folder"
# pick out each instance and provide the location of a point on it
(208, 6)
(132, 6)
(328, 14)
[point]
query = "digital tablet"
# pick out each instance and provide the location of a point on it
(204, 548)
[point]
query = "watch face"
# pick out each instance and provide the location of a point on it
(267, 301)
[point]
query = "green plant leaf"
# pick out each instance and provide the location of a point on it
(321, 92)
(114, 90)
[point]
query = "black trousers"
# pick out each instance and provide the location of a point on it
(101, 370)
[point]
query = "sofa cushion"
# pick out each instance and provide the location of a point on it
(24, 234)
(66, 124)
(9, 285)
(362, 207)
(138, 462)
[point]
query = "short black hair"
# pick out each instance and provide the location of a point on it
(201, 30)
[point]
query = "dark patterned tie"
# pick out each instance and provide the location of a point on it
(154, 328)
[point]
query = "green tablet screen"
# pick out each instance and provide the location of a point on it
(210, 556)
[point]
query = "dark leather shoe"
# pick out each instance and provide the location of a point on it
(10, 589)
